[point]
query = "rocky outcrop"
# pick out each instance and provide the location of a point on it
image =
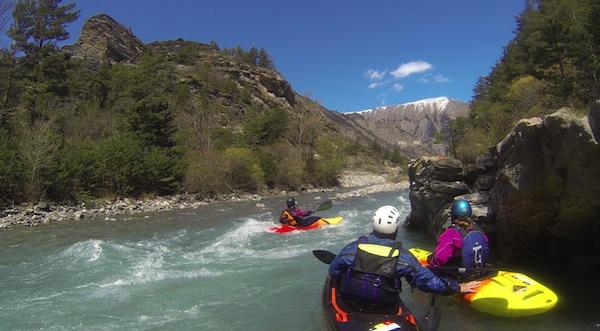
(547, 188)
(417, 128)
(537, 191)
(103, 39)
(594, 121)
(434, 182)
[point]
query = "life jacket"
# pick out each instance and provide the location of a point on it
(372, 277)
(286, 217)
(475, 248)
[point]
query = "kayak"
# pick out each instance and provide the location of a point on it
(508, 294)
(324, 221)
(343, 315)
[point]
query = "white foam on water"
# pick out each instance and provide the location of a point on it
(239, 237)
(192, 312)
(155, 275)
(89, 250)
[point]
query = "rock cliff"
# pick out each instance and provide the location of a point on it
(104, 39)
(536, 191)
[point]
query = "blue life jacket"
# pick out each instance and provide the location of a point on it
(373, 276)
(475, 249)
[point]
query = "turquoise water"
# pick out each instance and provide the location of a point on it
(214, 268)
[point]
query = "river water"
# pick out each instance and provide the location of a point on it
(212, 268)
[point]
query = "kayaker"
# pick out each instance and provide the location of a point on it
(295, 216)
(370, 269)
(463, 243)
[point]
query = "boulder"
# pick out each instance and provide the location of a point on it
(594, 121)
(434, 182)
(545, 196)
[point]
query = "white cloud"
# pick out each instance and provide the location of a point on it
(397, 87)
(375, 85)
(440, 79)
(373, 74)
(409, 68)
(434, 79)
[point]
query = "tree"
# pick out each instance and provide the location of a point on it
(264, 60)
(152, 121)
(266, 127)
(39, 24)
(214, 45)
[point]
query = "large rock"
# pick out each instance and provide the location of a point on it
(594, 120)
(104, 39)
(547, 188)
(434, 182)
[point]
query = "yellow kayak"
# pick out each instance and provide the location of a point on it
(509, 294)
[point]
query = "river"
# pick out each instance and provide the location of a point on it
(212, 268)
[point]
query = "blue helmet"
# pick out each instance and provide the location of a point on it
(460, 208)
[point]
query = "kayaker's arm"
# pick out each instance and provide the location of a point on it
(343, 260)
(422, 278)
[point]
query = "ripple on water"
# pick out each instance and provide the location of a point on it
(89, 250)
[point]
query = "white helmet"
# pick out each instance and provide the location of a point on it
(386, 220)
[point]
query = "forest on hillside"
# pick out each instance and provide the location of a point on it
(72, 130)
(553, 61)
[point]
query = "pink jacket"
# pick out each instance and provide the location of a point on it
(297, 212)
(449, 244)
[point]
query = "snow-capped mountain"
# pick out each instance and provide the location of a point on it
(415, 127)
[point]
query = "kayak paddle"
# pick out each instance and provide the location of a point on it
(431, 320)
(324, 256)
(324, 206)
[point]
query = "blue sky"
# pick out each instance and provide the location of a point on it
(346, 54)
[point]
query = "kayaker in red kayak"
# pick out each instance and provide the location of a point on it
(295, 216)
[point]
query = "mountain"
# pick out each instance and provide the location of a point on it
(415, 128)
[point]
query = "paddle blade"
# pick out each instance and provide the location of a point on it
(325, 205)
(324, 256)
(431, 320)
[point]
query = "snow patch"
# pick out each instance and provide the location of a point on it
(439, 103)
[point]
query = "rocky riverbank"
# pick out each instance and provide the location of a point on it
(360, 183)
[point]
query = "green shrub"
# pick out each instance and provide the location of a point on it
(187, 54)
(243, 169)
(205, 173)
(474, 142)
(287, 168)
(164, 170)
(121, 168)
(266, 127)
(329, 162)
(11, 170)
(40, 155)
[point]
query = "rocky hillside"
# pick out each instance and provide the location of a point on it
(416, 128)
(536, 192)
(105, 40)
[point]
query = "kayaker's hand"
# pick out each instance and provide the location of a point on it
(469, 287)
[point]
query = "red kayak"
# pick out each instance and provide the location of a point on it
(320, 223)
